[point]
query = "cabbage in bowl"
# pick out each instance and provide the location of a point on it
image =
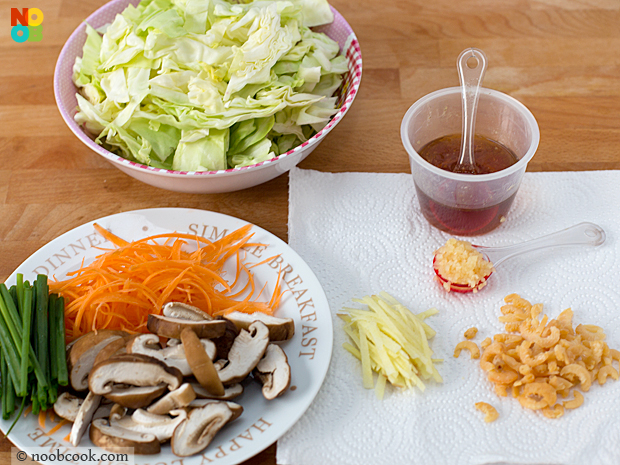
(206, 85)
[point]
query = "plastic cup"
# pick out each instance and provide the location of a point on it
(468, 204)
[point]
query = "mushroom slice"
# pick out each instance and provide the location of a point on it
(116, 439)
(112, 348)
(225, 342)
(171, 327)
(280, 329)
(185, 311)
(135, 396)
(133, 370)
(173, 356)
(81, 356)
(230, 392)
(67, 406)
(141, 421)
(83, 418)
(236, 409)
(104, 410)
(198, 430)
(117, 412)
(200, 363)
(274, 372)
(173, 400)
(245, 353)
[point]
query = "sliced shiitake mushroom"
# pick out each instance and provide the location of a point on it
(235, 408)
(67, 406)
(134, 380)
(135, 396)
(171, 327)
(280, 329)
(114, 347)
(245, 353)
(117, 412)
(133, 370)
(200, 363)
(81, 356)
(198, 430)
(83, 418)
(104, 409)
(176, 399)
(117, 439)
(172, 355)
(225, 342)
(141, 421)
(274, 372)
(185, 311)
(230, 392)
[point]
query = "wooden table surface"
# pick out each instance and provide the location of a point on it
(561, 58)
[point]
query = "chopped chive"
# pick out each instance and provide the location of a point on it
(41, 347)
(10, 300)
(20, 287)
(8, 394)
(42, 337)
(53, 330)
(9, 313)
(52, 393)
(10, 353)
(63, 372)
(13, 292)
(19, 414)
(35, 402)
(22, 388)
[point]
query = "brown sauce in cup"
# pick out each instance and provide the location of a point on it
(489, 155)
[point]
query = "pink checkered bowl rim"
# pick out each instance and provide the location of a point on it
(339, 30)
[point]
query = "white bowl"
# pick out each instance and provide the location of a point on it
(202, 182)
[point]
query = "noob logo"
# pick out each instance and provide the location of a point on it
(29, 27)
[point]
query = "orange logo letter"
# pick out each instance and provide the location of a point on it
(21, 17)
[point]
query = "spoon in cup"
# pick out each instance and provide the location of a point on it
(579, 234)
(471, 65)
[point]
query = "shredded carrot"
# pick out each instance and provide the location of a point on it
(126, 284)
(42, 417)
(67, 437)
(114, 239)
(60, 424)
(28, 410)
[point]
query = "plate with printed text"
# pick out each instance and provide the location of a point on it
(303, 299)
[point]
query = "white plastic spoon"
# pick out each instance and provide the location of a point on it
(471, 77)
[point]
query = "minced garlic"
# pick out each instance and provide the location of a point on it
(458, 262)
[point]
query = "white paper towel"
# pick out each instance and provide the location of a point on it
(362, 233)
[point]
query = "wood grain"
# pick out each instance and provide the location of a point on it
(561, 58)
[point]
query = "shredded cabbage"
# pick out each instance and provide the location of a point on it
(200, 85)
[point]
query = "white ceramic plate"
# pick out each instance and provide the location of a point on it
(309, 351)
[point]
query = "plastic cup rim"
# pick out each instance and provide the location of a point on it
(519, 165)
